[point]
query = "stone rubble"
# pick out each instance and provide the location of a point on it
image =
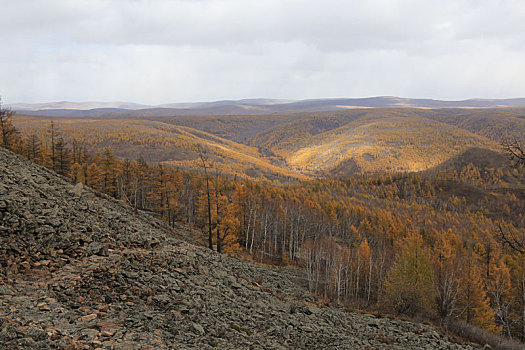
(79, 270)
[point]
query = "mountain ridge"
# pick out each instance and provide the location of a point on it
(255, 106)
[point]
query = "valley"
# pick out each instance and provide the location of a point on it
(381, 210)
(253, 175)
(290, 147)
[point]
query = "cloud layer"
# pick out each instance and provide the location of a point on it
(171, 51)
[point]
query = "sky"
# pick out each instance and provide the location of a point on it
(162, 51)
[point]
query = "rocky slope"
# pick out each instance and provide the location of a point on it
(81, 271)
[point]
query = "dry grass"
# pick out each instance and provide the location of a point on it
(477, 335)
(458, 330)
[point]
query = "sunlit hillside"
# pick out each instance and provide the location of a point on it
(377, 143)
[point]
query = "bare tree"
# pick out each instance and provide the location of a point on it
(53, 135)
(515, 243)
(6, 126)
(33, 147)
(516, 150)
(447, 290)
(218, 211)
(205, 166)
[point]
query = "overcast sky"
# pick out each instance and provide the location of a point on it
(162, 51)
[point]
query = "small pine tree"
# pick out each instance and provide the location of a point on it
(409, 286)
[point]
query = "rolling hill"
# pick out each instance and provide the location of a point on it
(292, 146)
(163, 143)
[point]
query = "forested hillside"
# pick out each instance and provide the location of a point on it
(80, 270)
(289, 147)
(436, 243)
(158, 142)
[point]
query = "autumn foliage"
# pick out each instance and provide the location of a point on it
(417, 243)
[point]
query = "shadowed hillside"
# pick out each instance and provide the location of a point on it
(477, 157)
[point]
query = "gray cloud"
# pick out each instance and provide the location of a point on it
(166, 51)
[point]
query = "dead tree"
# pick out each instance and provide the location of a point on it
(205, 166)
(53, 135)
(6, 126)
(512, 241)
(516, 150)
(218, 212)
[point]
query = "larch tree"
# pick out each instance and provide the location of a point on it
(364, 270)
(409, 287)
(219, 208)
(33, 148)
(473, 303)
(93, 176)
(76, 173)
(228, 226)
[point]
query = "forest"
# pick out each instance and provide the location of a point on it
(446, 243)
(284, 148)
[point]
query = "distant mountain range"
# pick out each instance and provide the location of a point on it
(250, 106)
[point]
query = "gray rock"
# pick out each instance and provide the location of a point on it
(373, 322)
(5, 290)
(197, 328)
(36, 334)
(77, 190)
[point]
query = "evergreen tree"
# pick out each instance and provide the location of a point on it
(409, 287)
